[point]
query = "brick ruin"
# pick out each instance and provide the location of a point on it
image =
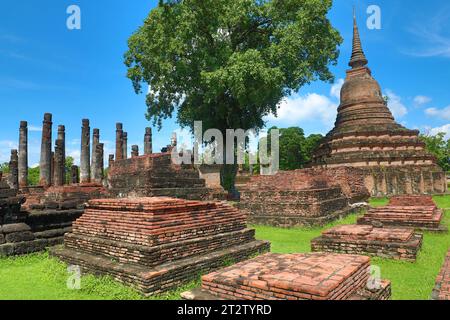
(418, 212)
(316, 276)
(393, 159)
(156, 244)
(390, 243)
(154, 174)
(302, 197)
(60, 196)
(23, 231)
(387, 232)
(442, 289)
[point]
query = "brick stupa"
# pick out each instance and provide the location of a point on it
(366, 135)
(313, 276)
(157, 244)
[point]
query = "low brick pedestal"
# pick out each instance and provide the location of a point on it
(419, 217)
(442, 289)
(316, 276)
(157, 244)
(294, 198)
(392, 243)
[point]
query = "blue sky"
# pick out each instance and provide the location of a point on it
(77, 74)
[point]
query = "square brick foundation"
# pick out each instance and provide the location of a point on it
(442, 289)
(394, 243)
(418, 217)
(157, 244)
(294, 198)
(315, 276)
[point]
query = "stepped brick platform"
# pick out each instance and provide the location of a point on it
(442, 289)
(154, 175)
(292, 198)
(316, 276)
(156, 244)
(392, 158)
(394, 243)
(402, 212)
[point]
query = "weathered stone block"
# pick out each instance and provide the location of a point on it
(16, 227)
(20, 236)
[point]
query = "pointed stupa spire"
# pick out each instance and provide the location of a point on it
(358, 58)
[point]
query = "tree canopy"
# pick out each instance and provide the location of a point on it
(228, 63)
(295, 149)
(440, 147)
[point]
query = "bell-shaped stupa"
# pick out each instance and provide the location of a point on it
(366, 135)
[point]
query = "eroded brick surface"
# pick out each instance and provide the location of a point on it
(366, 135)
(316, 276)
(442, 288)
(396, 243)
(300, 197)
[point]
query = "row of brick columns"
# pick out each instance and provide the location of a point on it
(122, 144)
(52, 163)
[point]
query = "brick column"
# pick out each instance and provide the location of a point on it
(85, 166)
(74, 173)
(98, 166)
(125, 145)
(62, 137)
(148, 148)
(23, 154)
(134, 151)
(14, 170)
(110, 160)
(119, 141)
(58, 179)
(95, 142)
(46, 152)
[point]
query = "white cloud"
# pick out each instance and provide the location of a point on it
(444, 129)
(75, 154)
(421, 100)
(395, 104)
(439, 113)
(336, 89)
(34, 128)
(5, 149)
(312, 107)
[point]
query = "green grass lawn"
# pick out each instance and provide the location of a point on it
(39, 276)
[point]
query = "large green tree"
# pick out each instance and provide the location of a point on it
(229, 63)
(295, 149)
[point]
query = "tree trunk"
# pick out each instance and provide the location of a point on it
(228, 179)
